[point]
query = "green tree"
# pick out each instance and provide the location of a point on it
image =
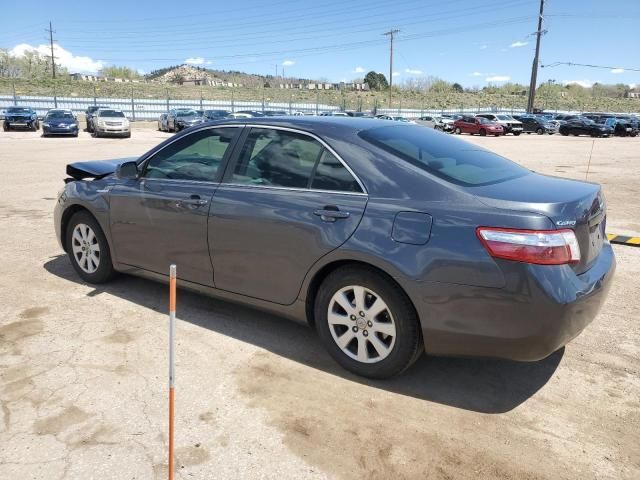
(376, 81)
(114, 71)
(457, 88)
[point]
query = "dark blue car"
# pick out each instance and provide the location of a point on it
(388, 238)
(59, 122)
(20, 117)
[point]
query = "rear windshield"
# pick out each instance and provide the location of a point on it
(453, 160)
(110, 113)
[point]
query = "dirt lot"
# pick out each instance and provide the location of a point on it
(83, 370)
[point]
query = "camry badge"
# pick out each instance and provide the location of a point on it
(566, 223)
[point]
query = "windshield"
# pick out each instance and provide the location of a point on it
(186, 113)
(59, 115)
(18, 110)
(454, 161)
(503, 117)
(110, 113)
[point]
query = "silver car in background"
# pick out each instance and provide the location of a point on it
(110, 122)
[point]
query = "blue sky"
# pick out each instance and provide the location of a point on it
(473, 42)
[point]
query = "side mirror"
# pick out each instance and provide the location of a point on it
(127, 170)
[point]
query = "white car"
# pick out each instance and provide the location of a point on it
(110, 122)
(427, 121)
(509, 124)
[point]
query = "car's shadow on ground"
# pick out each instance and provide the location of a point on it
(482, 385)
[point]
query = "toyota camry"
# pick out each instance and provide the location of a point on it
(388, 238)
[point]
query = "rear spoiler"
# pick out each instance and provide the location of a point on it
(95, 169)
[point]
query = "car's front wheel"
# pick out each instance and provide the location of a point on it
(88, 249)
(458, 131)
(367, 323)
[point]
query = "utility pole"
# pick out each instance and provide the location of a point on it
(534, 67)
(53, 58)
(390, 34)
(276, 72)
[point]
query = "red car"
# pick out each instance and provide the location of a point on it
(477, 125)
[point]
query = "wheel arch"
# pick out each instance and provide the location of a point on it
(323, 272)
(67, 214)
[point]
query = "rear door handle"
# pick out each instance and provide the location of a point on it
(194, 201)
(331, 214)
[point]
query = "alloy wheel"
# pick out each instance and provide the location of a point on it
(85, 247)
(361, 324)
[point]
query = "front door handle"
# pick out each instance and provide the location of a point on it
(194, 201)
(331, 214)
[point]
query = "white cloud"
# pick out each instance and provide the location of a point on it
(477, 74)
(63, 57)
(617, 70)
(633, 85)
(141, 71)
(483, 47)
(194, 61)
(582, 83)
(498, 78)
(518, 44)
(413, 71)
(396, 74)
(288, 63)
(358, 70)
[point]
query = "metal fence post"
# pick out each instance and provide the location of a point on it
(133, 107)
(15, 98)
(317, 99)
(290, 98)
(55, 96)
(201, 98)
(167, 90)
(95, 100)
(232, 102)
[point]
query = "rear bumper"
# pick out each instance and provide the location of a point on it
(540, 309)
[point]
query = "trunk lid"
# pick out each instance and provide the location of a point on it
(572, 204)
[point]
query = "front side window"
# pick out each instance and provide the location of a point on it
(197, 156)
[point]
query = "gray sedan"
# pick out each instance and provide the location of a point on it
(387, 238)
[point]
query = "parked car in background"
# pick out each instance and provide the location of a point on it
(252, 113)
(383, 116)
(60, 122)
(162, 122)
(622, 126)
(90, 113)
(537, 124)
(20, 117)
(444, 122)
(509, 124)
(275, 113)
(179, 119)
(210, 115)
(240, 115)
(584, 126)
(427, 121)
(399, 118)
(458, 251)
(477, 126)
(110, 122)
(333, 113)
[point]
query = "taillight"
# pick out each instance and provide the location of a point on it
(544, 247)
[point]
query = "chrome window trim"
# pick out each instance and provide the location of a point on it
(292, 189)
(323, 143)
(275, 127)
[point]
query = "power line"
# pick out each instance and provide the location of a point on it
(572, 64)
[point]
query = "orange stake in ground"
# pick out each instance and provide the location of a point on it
(172, 368)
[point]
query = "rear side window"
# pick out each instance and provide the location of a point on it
(453, 160)
(280, 158)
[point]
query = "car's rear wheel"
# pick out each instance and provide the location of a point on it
(367, 323)
(88, 249)
(483, 132)
(516, 133)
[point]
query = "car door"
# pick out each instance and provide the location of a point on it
(161, 217)
(286, 200)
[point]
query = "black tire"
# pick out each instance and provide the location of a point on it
(564, 134)
(95, 133)
(483, 132)
(408, 343)
(540, 131)
(5, 127)
(457, 131)
(128, 135)
(515, 134)
(105, 271)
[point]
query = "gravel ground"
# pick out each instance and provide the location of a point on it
(83, 369)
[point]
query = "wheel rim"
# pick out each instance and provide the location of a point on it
(85, 248)
(361, 324)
